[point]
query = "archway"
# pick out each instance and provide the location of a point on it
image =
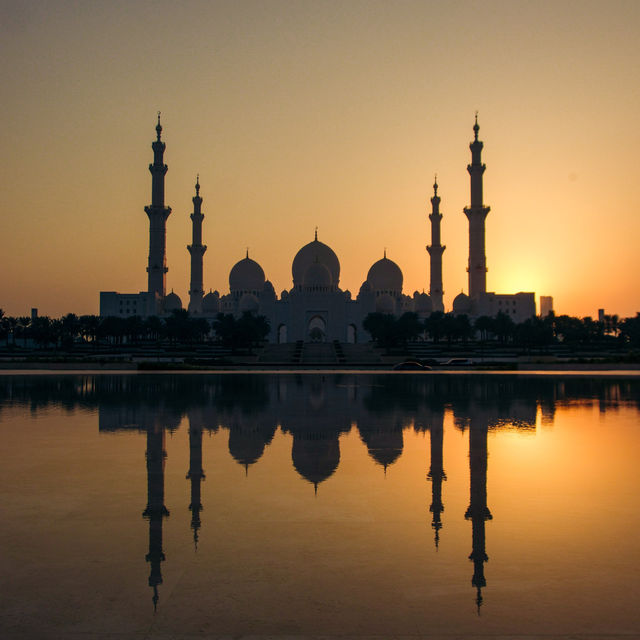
(352, 334)
(317, 329)
(282, 334)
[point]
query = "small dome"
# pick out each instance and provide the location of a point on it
(461, 303)
(248, 302)
(172, 302)
(311, 253)
(385, 275)
(317, 276)
(210, 302)
(246, 275)
(422, 303)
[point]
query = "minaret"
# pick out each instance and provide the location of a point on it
(155, 510)
(196, 249)
(478, 511)
(436, 250)
(158, 215)
(476, 214)
(436, 474)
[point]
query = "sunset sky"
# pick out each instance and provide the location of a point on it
(320, 113)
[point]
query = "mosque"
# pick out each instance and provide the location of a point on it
(315, 308)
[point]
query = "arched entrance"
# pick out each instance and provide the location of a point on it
(317, 329)
(282, 334)
(352, 334)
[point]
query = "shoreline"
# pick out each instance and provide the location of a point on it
(9, 368)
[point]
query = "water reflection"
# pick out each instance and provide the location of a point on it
(316, 410)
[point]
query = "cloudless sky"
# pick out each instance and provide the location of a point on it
(320, 113)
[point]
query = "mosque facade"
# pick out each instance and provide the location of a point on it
(315, 308)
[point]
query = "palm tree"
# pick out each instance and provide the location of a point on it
(483, 325)
(435, 325)
(4, 326)
(12, 323)
(89, 326)
(23, 328)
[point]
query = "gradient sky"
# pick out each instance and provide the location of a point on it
(329, 114)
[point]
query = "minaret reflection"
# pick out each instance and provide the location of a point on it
(195, 474)
(155, 511)
(478, 512)
(436, 473)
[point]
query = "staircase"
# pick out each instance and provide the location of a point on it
(323, 354)
(319, 353)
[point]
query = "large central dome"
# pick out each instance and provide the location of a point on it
(315, 252)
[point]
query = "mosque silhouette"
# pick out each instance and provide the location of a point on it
(315, 309)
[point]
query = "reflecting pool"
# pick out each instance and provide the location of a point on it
(327, 504)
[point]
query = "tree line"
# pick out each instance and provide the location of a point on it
(390, 331)
(178, 328)
(250, 330)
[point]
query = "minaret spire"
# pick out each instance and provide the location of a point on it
(476, 214)
(435, 250)
(158, 214)
(196, 249)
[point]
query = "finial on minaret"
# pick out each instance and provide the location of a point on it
(476, 127)
(385, 253)
(435, 185)
(316, 235)
(158, 127)
(198, 184)
(247, 256)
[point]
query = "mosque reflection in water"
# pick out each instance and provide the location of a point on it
(315, 410)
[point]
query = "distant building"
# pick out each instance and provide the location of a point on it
(546, 306)
(315, 308)
(601, 315)
(123, 305)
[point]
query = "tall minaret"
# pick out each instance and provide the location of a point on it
(436, 250)
(476, 214)
(158, 215)
(196, 249)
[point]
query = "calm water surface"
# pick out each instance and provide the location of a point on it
(350, 504)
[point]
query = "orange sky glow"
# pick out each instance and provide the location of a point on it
(328, 114)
